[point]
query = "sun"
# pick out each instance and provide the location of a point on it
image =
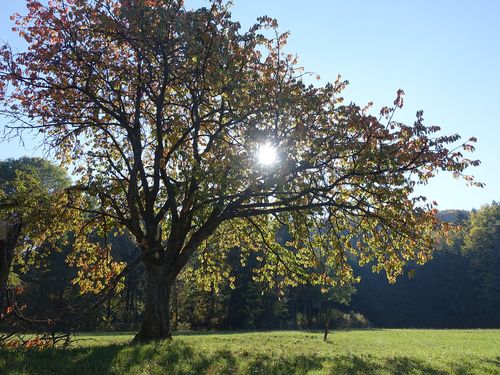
(267, 154)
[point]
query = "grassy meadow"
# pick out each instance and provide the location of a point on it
(384, 351)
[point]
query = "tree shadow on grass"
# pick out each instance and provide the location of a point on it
(495, 361)
(264, 364)
(485, 366)
(58, 361)
(160, 358)
(405, 365)
(179, 358)
(357, 365)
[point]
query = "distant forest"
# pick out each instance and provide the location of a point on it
(459, 287)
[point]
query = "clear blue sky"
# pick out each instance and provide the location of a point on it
(445, 55)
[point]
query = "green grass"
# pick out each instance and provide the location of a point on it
(374, 351)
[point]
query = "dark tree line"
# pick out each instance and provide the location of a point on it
(459, 287)
(48, 290)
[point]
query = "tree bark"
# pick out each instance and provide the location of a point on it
(175, 308)
(156, 321)
(9, 233)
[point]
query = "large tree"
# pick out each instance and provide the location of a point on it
(196, 137)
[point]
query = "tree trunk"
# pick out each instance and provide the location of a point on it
(127, 303)
(175, 307)
(9, 233)
(156, 321)
(327, 323)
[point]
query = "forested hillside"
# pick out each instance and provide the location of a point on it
(458, 288)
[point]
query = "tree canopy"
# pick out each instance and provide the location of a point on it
(161, 111)
(32, 193)
(32, 200)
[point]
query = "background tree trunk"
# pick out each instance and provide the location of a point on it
(327, 322)
(9, 233)
(156, 321)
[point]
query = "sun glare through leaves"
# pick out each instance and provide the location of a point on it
(267, 154)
